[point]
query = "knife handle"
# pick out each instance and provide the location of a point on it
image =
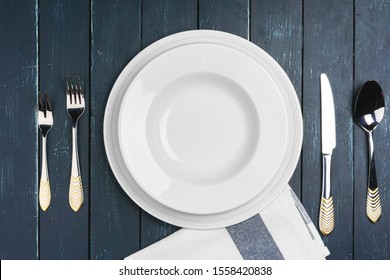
(373, 202)
(326, 216)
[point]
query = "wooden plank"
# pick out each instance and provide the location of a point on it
(328, 48)
(18, 126)
(64, 48)
(165, 17)
(225, 15)
(115, 40)
(276, 27)
(159, 19)
(372, 61)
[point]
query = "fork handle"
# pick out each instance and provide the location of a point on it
(44, 183)
(76, 194)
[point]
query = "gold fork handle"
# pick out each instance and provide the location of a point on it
(44, 183)
(76, 194)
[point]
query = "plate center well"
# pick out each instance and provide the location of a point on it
(202, 128)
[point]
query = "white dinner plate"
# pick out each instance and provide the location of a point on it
(203, 129)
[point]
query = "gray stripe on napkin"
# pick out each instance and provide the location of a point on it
(300, 207)
(303, 212)
(254, 241)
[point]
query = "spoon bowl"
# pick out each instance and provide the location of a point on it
(369, 112)
(370, 106)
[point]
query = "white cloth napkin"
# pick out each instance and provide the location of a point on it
(281, 231)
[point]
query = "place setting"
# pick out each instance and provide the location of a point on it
(203, 130)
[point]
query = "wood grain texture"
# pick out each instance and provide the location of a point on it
(159, 19)
(231, 16)
(115, 40)
(276, 27)
(165, 17)
(347, 39)
(372, 62)
(18, 130)
(64, 49)
(328, 48)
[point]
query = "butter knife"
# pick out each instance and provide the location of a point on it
(328, 143)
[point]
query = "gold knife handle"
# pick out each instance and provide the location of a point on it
(44, 183)
(326, 216)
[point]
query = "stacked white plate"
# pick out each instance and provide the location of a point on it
(203, 129)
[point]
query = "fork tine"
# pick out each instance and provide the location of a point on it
(48, 104)
(68, 97)
(40, 104)
(81, 88)
(81, 94)
(72, 95)
(77, 91)
(67, 83)
(76, 98)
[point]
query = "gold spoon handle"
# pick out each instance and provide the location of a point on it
(373, 202)
(373, 205)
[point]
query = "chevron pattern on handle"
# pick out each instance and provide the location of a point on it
(326, 219)
(373, 205)
(44, 194)
(76, 194)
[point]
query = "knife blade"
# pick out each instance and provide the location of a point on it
(328, 143)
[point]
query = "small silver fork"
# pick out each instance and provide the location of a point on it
(75, 104)
(45, 123)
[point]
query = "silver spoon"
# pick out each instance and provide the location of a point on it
(369, 111)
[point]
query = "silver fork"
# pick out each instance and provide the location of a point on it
(45, 123)
(75, 104)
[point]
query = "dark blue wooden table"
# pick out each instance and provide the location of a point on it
(43, 40)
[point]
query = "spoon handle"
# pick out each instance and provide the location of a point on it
(373, 202)
(326, 217)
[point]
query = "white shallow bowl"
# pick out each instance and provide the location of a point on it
(203, 129)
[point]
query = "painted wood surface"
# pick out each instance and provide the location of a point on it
(328, 48)
(348, 40)
(18, 130)
(372, 62)
(231, 16)
(159, 19)
(64, 49)
(276, 27)
(115, 40)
